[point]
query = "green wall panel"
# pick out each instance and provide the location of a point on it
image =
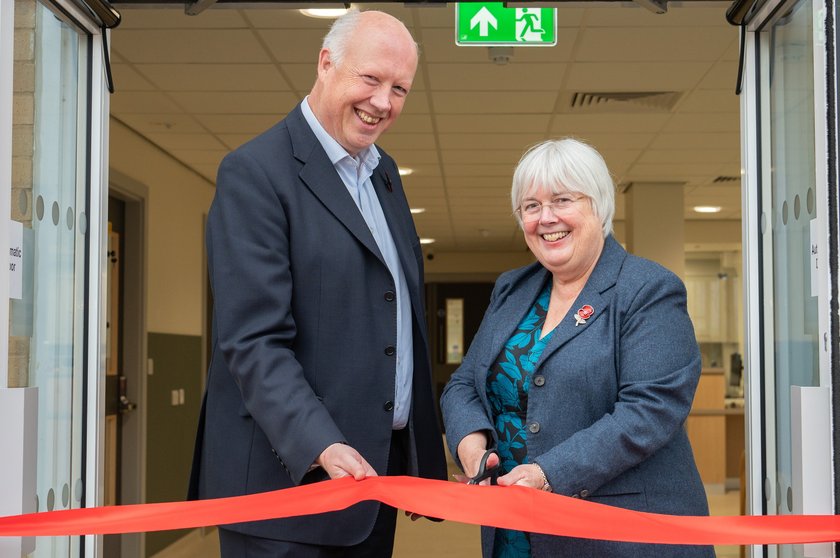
(171, 428)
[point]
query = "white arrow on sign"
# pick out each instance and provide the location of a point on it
(484, 19)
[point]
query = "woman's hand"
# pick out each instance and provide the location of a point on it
(530, 475)
(470, 451)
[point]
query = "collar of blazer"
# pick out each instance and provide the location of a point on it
(525, 289)
(319, 175)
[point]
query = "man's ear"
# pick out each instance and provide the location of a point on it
(324, 62)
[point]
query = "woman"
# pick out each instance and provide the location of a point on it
(584, 368)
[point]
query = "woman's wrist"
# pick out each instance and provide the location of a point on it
(545, 484)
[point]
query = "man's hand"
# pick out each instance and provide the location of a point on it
(341, 460)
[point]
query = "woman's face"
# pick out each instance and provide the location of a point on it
(567, 237)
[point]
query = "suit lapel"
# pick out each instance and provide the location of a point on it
(519, 301)
(402, 231)
(603, 278)
(320, 177)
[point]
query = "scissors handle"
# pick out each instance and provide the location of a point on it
(483, 471)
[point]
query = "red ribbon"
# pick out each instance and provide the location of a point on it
(515, 507)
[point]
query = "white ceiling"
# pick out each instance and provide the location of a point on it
(199, 86)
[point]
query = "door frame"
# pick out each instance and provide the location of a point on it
(135, 353)
(755, 125)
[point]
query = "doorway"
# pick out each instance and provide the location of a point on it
(125, 360)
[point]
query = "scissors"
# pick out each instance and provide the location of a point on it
(483, 471)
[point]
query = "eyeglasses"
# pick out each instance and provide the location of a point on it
(532, 210)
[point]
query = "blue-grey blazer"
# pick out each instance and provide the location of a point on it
(609, 399)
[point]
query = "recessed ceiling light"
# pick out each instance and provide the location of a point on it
(416, 210)
(707, 208)
(426, 240)
(324, 13)
(405, 171)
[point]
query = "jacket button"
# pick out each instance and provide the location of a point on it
(584, 493)
(389, 350)
(389, 406)
(575, 495)
(390, 296)
(534, 427)
(539, 380)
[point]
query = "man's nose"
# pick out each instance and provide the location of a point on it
(381, 99)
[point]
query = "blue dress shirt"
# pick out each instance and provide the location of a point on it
(355, 172)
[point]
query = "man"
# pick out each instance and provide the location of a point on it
(320, 359)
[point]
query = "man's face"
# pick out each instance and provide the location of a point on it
(362, 97)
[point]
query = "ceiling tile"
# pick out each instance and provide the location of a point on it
(687, 14)
(493, 77)
(704, 156)
(232, 141)
(412, 157)
(189, 46)
(140, 18)
(516, 142)
(721, 76)
(280, 17)
(491, 102)
(704, 122)
(208, 157)
(576, 124)
(293, 45)
(660, 44)
(670, 171)
(710, 101)
(392, 141)
(493, 123)
(412, 123)
(239, 102)
(455, 171)
(214, 77)
(635, 76)
(126, 78)
(238, 123)
(161, 123)
(139, 102)
(175, 142)
(619, 140)
(480, 156)
(681, 140)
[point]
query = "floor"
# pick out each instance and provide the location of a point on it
(443, 540)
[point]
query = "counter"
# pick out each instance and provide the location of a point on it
(715, 428)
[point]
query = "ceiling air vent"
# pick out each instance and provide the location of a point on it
(725, 179)
(616, 102)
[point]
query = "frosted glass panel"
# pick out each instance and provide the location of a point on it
(49, 199)
(795, 320)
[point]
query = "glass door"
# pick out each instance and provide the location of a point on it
(54, 318)
(787, 200)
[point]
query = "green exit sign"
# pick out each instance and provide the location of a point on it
(493, 24)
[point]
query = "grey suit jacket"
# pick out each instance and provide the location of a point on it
(304, 323)
(607, 408)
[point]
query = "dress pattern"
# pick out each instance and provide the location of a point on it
(508, 382)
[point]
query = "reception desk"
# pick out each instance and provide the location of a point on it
(716, 430)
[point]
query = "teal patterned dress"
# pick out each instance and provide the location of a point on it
(507, 389)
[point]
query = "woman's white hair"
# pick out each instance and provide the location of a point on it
(566, 165)
(342, 28)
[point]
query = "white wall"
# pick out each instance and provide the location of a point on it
(178, 200)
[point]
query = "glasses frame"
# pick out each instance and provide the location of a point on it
(557, 207)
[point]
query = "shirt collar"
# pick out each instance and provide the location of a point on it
(368, 157)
